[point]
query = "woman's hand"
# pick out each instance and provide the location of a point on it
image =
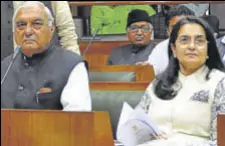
(161, 136)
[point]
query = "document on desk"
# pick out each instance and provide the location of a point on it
(134, 126)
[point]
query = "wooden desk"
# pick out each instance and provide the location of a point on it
(101, 47)
(221, 130)
(142, 73)
(55, 128)
(115, 86)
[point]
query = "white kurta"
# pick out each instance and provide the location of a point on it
(187, 119)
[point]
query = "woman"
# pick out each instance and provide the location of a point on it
(184, 100)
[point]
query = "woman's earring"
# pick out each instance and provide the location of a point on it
(207, 57)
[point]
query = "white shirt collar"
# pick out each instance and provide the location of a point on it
(198, 74)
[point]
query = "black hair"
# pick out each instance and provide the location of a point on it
(177, 11)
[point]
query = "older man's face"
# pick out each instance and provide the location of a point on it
(32, 31)
(139, 33)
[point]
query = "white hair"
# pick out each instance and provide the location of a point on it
(27, 4)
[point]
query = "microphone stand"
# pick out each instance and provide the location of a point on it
(90, 42)
(11, 63)
(3, 79)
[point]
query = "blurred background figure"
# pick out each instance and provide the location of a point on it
(139, 32)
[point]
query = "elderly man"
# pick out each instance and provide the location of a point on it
(139, 31)
(43, 76)
(65, 34)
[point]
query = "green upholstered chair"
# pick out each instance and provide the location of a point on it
(111, 98)
(112, 76)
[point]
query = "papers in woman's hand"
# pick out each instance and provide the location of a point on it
(135, 126)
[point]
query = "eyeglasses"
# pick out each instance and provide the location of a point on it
(144, 28)
(186, 40)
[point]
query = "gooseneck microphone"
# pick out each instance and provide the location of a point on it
(93, 37)
(11, 63)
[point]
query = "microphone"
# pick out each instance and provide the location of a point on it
(93, 37)
(16, 51)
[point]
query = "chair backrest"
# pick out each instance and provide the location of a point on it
(134, 73)
(96, 59)
(99, 51)
(159, 26)
(101, 47)
(112, 76)
(218, 10)
(105, 47)
(110, 97)
(213, 22)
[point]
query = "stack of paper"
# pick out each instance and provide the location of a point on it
(135, 126)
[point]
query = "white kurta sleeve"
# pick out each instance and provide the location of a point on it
(76, 94)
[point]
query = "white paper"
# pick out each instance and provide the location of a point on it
(134, 126)
(125, 114)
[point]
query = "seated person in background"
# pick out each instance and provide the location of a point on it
(159, 58)
(43, 76)
(184, 101)
(198, 9)
(139, 31)
(221, 45)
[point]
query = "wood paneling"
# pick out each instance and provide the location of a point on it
(89, 3)
(132, 86)
(142, 73)
(55, 128)
(99, 51)
(99, 47)
(96, 59)
(105, 47)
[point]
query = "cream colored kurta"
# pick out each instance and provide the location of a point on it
(190, 117)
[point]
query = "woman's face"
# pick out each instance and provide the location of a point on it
(191, 46)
